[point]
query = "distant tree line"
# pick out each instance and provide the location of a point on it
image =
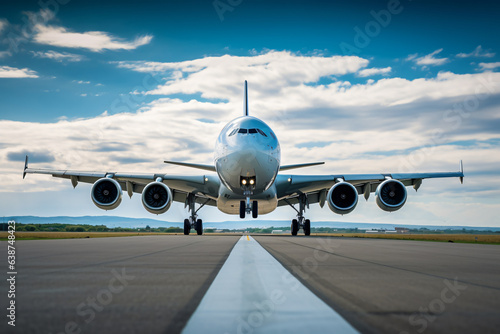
(103, 228)
(90, 228)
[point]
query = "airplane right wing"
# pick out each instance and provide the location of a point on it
(203, 187)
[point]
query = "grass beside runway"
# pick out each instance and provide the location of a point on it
(492, 239)
(80, 235)
(70, 235)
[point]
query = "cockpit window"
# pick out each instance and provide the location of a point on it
(262, 132)
(233, 132)
(272, 135)
(243, 131)
(252, 130)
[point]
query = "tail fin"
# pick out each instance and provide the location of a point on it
(245, 101)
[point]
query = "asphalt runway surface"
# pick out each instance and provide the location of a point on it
(154, 284)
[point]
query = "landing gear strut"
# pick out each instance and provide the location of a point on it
(247, 208)
(301, 222)
(193, 221)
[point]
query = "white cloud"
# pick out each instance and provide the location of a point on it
(430, 60)
(92, 40)
(58, 56)
(412, 56)
(367, 72)
(3, 24)
(220, 77)
(12, 72)
(478, 52)
(82, 82)
(489, 66)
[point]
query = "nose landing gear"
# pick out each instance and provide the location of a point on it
(247, 208)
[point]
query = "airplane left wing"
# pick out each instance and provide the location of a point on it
(292, 189)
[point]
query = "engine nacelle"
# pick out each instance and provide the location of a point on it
(156, 197)
(342, 198)
(390, 195)
(106, 194)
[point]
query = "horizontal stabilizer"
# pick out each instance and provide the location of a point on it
(186, 164)
(287, 167)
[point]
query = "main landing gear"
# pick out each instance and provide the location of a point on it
(193, 221)
(247, 208)
(301, 222)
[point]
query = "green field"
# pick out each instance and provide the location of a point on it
(462, 238)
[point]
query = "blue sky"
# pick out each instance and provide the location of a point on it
(367, 86)
(184, 30)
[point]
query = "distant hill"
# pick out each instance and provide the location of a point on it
(113, 221)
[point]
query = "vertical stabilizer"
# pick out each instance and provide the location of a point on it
(245, 100)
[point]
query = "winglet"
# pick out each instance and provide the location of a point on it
(25, 166)
(462, 171)
(245, 101)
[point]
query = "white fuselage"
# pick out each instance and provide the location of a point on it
(247, 160)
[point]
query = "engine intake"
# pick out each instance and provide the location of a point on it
(106, 194)
(390, 195)
(156, 197)
(342, 198)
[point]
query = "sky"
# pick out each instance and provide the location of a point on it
(366, 86)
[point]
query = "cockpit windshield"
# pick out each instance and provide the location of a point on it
(247, 131)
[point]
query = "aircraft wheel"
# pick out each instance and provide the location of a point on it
(255, 209)
(199, 227)
(187, 227)
(307, 227)
(294, 227)
(242, 209)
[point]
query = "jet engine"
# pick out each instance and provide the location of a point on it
(342, 198)
(390, 195)
(106, 194)
(156, 197)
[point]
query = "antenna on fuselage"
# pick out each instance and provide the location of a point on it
(245, 101)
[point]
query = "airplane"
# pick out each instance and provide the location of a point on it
(246, 179)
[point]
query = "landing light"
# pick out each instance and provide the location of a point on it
(243, 182)
(252, 181)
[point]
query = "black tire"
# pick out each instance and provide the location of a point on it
(199, 227)
(242, 209)
(307, 227)
(294, 227)
(187, 227)
(255, 209)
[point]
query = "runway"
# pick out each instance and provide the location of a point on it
(156, 284)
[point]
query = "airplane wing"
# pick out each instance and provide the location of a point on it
(315, 187)
(204, 187)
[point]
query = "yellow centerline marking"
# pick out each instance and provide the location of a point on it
(248, 238)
